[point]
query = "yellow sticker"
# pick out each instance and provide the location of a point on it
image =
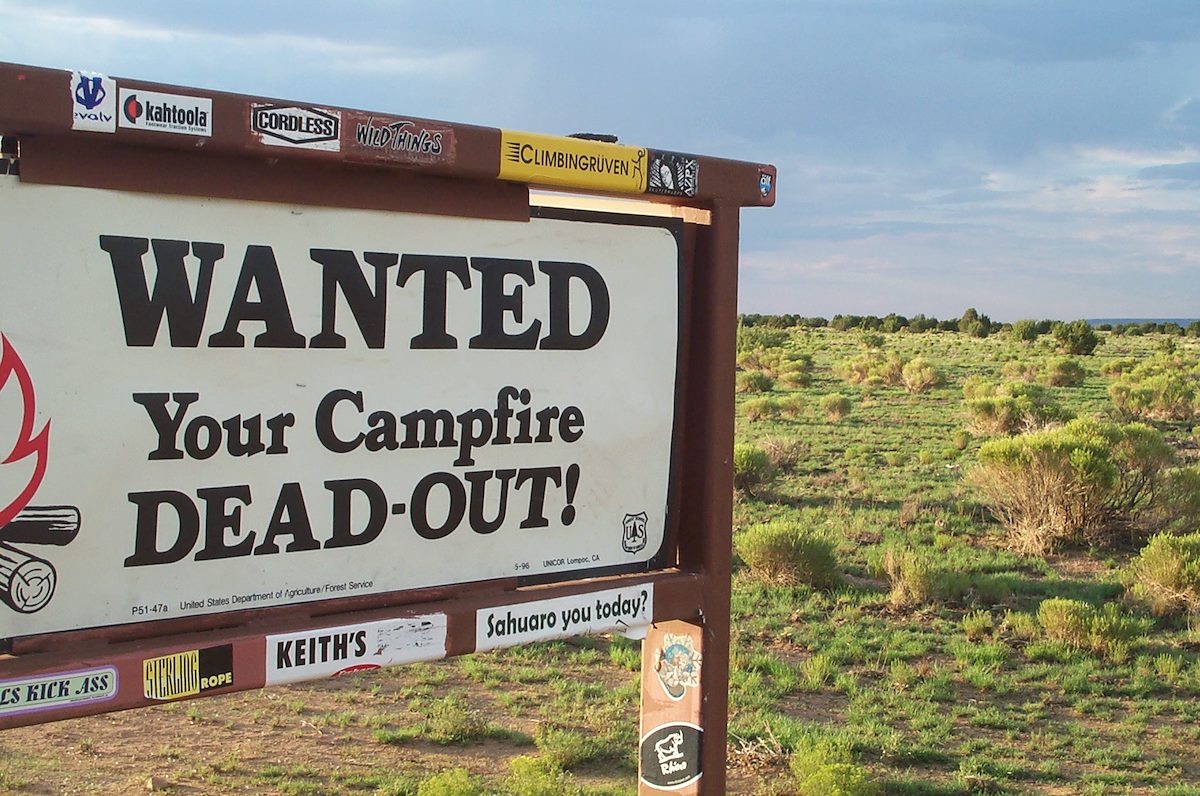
(172, 676)
(571, 162)
(187, 673)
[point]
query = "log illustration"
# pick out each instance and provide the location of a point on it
(26, 582)
(56, 525)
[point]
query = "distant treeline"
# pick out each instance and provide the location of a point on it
(970, 322)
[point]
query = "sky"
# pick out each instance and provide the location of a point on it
(1030, 159)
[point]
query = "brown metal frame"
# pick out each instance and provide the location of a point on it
(36, 109)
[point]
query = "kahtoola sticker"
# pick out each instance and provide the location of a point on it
(165, 113)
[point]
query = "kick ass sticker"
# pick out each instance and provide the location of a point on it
(59, 690)
(187, 673)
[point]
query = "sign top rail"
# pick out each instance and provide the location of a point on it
(52, 103)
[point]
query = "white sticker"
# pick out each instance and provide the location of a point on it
(93, 102)
(295, 127)
(166, 113)
(58, 690)
(330, 651)
(614, 610)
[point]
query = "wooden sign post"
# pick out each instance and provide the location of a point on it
(288, 391)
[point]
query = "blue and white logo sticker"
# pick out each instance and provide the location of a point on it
(93, 102)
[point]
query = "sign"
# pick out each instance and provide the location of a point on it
(572, 162)
(670, 753)
(296, 127)
(58, 690)
(188, 673)
(612, 610)
(165, 113)
(331, 651)
(212, 405)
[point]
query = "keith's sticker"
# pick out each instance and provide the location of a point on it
(60, 690)
(187, 673)
(610, 611)
(296, 127)
(165, 113)
(93, 102)
(331, 651)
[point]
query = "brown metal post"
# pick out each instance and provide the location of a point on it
(707, 504)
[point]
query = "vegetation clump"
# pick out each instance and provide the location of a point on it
(1104, 631)
(1090, 480)
(1165, 576)
(1163, 388)
(1076, 338)
(835, 406)
(822, 768)
(790, 552)
(993, 410)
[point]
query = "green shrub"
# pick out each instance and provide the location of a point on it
(1086, 481)
(752, 468)
(455, 782)
(751, 337)
(835, 406)
(1019, 625)
(791, 406)
(1076, 624)
(1076, 337)
(1158, 396)
(1024, 330)
(1115, 367)
(919, 577)
(978, 625)
(532, 776)
(1020, 370)
(763, 408)
(1013, 408)
(919, 375)
(820, 767)
(873, 368)
(754, 381)
(789, 552)
(784, 453)
(1165, 576)
(1062, 372)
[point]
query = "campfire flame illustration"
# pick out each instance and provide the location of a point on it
(28, 443)
(27, 582)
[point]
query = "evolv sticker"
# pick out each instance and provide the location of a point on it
(614, 610)
(572, 162)
(296, 127)
(93, 102)
(388, 138)
(166, 113)
(59, 690)
(672, 174)
(330, 651)
(187, 673)
(670, 756)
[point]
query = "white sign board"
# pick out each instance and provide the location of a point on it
(613, 610)
(333, 651)
(210, 405)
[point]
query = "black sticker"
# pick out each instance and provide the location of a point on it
(670, 756)
(672, 174)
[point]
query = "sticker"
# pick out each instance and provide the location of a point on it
(678, 665)
(166, 113)
(333, 651)
(391, 138)
(765, 180)
(187, 673)
(296, 127)
(633, 536)
(59, 690)
(670, 756)
(614, 610)
(572, 162)
(93, 102)
(672, 174)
